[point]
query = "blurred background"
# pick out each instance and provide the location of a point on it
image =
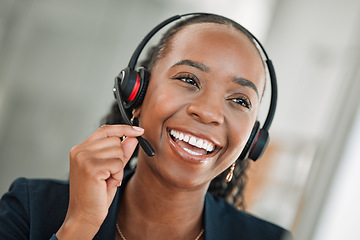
(58, 60)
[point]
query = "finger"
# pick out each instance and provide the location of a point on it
(106, 148)
(103, 169)
(104, 153)
(114, 181)
(99, 144)
(111, 185)
(115, 130)
(129, 145)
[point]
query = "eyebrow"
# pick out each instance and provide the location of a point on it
(239, 80)
(246, 83)
(194, 64)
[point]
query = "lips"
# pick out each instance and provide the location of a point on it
(191, 144)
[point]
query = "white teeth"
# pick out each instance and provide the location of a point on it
(191, 152)
(210, 148)
(205, 145)
(192, 141)
(197, 142)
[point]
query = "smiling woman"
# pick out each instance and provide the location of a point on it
(204, 81)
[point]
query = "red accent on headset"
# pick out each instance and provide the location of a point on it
(257, 138)
(135, 89)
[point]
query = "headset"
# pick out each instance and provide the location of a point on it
(131, 84)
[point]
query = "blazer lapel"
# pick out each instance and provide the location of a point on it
(214, 228)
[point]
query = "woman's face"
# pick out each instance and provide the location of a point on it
(201, 104)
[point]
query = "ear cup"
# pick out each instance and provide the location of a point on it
(248, 146)
(259, 145)
(133, 85)
(144, 76)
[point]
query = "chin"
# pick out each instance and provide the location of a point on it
(184, 179)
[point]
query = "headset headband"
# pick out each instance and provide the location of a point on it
(130, 88)
(270, 116)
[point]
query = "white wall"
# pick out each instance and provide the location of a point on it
(314, 46)
(318, 59)
(331, 197)
(339, 218)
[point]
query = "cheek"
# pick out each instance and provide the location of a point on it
(158, 105)
(239, 133)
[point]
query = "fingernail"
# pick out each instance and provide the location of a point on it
(139, 129)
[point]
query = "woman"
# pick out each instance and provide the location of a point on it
(207, 79)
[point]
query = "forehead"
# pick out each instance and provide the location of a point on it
(219, 46)
(215, 35)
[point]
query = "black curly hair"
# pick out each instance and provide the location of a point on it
(231, 191)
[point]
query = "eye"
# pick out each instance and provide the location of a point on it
(188, 78)
(242, 101)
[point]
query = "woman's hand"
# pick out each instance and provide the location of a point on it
(96, 170)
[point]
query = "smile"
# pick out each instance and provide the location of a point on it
(191, 144)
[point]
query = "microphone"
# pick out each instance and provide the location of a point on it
(144, 144)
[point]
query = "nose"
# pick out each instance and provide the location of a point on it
(207, 108)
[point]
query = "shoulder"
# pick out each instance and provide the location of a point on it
(24, 188)
(38, 184)
(41, 194)
(236, 224)
(40, 203)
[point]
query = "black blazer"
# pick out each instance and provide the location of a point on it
(35, 209)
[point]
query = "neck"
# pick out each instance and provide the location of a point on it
(163, 211)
